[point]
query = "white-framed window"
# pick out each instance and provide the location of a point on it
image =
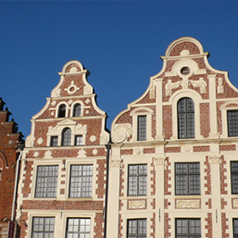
(77, 110)
(66, 137)
(234, 177)
(62, 110)
(136, 228)
(232, 123)
(54, 141)
(46, 181)
(78, 227)
(43, 227)
(78, 140)
(80, 181)
(141, 128)
(188, 227)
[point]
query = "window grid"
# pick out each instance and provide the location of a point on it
(43, 227)
(62, 111)
(46, 181)
(136, 228)
(187, 178)
(141, 125)
(81, 181)
(137, 180)
(66, 137)
(185, 118)
(77, 110)
(235, 227)
(54, 141)
(188, 228)
(232, 120)
(234, 177)
(78, 140)
(78, 228)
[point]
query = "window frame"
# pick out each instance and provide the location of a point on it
(233, 173)
(66, 139)
(60, 113)
(36, 192)
(52, 142)
(137, 228)
(44, 225)
(186, 113)
(187, 175)
(235, 234)
(75, 140)
(75, 110)
(81, 188)
(78, 230)
(141, 128)
(232, 123)
(138, 182)
(188, 228)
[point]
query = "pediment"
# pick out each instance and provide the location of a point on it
(67, 122)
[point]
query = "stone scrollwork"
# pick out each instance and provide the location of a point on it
(201, 83)
(187, 204)
(29, 141)
(87, 90)
(122, 132)
(215, 159)
(160, 160)
(169, 86)
(55, 93)
(115, 163)
(104, 138)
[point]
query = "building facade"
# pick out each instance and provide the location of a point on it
(174, 166)
(63, 173)
(9, 141)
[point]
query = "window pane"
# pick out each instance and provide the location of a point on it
(78, 227)
(43, 227)
(46, 181)
(77, 110)
(136, 228)
(66, 137)
(188, 228)
(232, 119)
(141, 136)
(62, 110)
(78, 140)
(234, 177)
(54, 141)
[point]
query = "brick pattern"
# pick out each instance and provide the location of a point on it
(167, 226)
(223, 176)
(207, 177)
(152, 226)
(208, 226)
(201, 148)
(227, 147)
(205, 119)
(153, 179)
(225, 226)
(167, 178)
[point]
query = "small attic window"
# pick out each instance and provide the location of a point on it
(185, 70)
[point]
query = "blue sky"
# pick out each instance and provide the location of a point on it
(119, 42)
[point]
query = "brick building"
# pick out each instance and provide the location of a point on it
(173, 163)
(63, 174)
(174, 166)
(9, 140)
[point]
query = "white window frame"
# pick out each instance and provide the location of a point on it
(66, 109)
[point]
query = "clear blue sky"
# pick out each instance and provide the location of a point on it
(119, 42)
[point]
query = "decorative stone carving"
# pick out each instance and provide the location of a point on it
(169, 86)
(87, 112)
(87, 101)
(40, 141)
(104, 138)
(235, 202)
(70, 102)
(53, 103)
(82, 153)
(36, 154)
(73, 70)
(122, 131)
(220, 88)
(29, 141)
(56, 93)
(187, 204)
(87, 90)
(48, 154)
(152, 93)
(137, 204)
(215, 159)
(115, 163)
(160, 161)
(72, 88)
(186, 149)
(138, 151)
(93, 138)
(201, 83)
(95, 151)
(52, 114)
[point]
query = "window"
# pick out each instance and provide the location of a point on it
(81, 181)
(232, 120)
(77, 110)
(78, 227)
(62, 110)
(187, 178)
(78, 140)
(141, 131)
(185, 118)
(137, 179)
(235, 227)
(43, 227)
(136, 228)
(46, 181)
(66, 137)
(54, 141)
(188, 228)
(234, 177)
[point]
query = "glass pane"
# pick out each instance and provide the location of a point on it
(77, 110)
(141, 136)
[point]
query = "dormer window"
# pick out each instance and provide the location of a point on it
(66, 137)
(77, 110)
(62, 111)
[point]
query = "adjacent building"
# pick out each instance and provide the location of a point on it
(63, 173)
(174, 166)
(10, 138)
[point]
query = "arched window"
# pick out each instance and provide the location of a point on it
(77, 110)
(185, 110)
(66, 137)
(62, 110)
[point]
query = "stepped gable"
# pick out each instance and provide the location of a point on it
(73, 89)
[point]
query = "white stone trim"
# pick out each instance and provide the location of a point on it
(82, 107)
(66, 109)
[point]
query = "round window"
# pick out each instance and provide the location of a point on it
(185, 70)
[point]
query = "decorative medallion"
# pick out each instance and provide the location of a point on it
(72, 88)
(93, 138)
(40, 141)
(95, 151)
(82, 153)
